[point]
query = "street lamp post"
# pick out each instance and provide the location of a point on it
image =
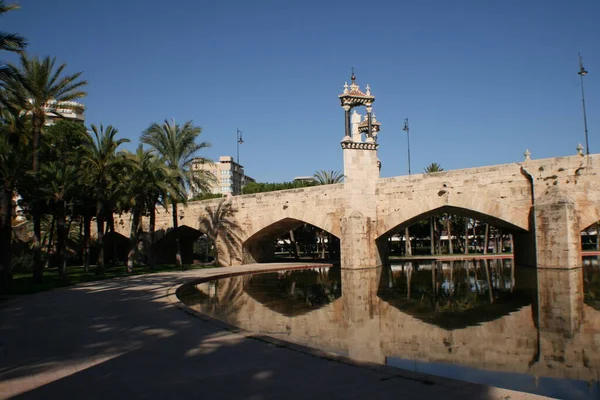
(582, 72)
(239, 141)
(407, 130)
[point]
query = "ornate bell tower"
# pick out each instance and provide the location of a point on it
(361, 173)
(360, 135)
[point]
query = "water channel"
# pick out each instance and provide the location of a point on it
(482, 321)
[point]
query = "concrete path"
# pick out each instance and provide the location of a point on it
(130, 338)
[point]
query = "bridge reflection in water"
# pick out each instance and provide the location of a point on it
(484, 321)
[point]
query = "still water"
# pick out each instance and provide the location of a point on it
(481, 321)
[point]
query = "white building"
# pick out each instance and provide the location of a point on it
(68, 110)
(230, 175)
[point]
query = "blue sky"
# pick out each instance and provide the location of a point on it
(480, 80)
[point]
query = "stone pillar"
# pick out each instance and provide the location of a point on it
(369, 137)
(558, 240)
(359, 232)
(347, 122)
(361, 314)
(355, 121)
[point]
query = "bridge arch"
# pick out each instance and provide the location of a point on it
(490, 211)
(260, 247)
(588, 215)
(165, 244)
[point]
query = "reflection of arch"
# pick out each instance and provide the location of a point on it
(259, 247)
(494, 213)
(468, 311)
(295, 292)
(165, 246)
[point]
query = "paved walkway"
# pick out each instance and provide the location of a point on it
(129, 338)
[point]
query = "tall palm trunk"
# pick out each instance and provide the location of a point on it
(38, 268)
(486, 238)
(449, 229)
(407, 245)
(87, 233)
(466, 235)
(5, 239)
(61, 240)
(133, 236)
(432, 236)
(295, 245)
(110, 227)
(489, 281)
(152, 228)
(100, 233)
(176, 232)
(50, 241)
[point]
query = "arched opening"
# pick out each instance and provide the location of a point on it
(116, 247)
(448, 230)
(291, 239)
(590, 246)
(188, 242)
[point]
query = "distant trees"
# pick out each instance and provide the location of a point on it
(258, 187)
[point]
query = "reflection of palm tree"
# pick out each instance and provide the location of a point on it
(489, 281)
(218, 224)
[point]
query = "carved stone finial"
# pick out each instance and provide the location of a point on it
(345, 87)
(368, 88)
(579, 150)
(527, 155)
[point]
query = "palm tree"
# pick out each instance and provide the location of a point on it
(148, 182)
(13, 158)
(36, 87)
(9, 41)
(328, 177)
(16, 43)
(218, 223)
(177, 146)
(101, 163)
(433, 167)
(60, 184)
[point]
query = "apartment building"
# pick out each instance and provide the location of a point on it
(230, 175)
(69, 110)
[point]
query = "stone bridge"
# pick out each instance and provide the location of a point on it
(543, 203)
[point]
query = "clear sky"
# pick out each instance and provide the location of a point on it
(479, 80)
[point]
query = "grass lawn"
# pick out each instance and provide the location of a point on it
(22, 282)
